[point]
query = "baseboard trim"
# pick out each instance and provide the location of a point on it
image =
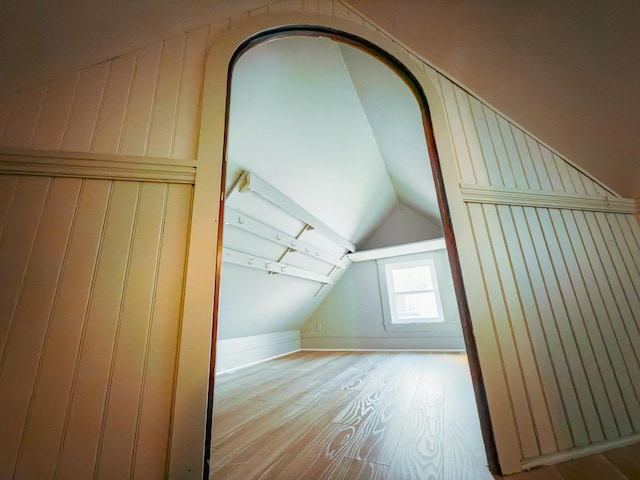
(239, 352)
(426, 350)
(391, 343)
(579, 452)
(257, 362)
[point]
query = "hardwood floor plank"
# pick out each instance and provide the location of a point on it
(419, 452)
(270, 452)
(593, 467)
(333, 415)
(351, 469)
(543, 473)
(627, 460)
(464, 454)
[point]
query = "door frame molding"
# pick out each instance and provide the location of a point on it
(196, 358)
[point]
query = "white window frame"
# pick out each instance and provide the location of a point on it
(447, 321)
(392, 293)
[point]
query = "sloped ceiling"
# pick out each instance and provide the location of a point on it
(306, 116)
(567, 71)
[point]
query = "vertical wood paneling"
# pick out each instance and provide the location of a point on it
(152, 436)
(627, 254)
(86, 106)
(610, 289)
(509, 356)
(551, 168)
(564, 360)
(564, 172)
(115, 450)
(463, 160)
(23, 117)
(556, 320)
(89, 389)
(31, 318)
(503, 425)
(519, 329)
(499, 148)
(188, 115)
(93, 298)
(471, 136)
(522, 257)
(571, 332)
(163, 122)
(114, 104)
(19, 232)
(43, 433)
(55, 112)
(614, 376)
(140, 109)
(578, 312)
(487, 161)
(515, 162)
(538, 164)
(8, 187)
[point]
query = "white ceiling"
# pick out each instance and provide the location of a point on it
(332, 128)
(567, 71)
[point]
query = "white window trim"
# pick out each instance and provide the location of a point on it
(389, 267)
(448, 323)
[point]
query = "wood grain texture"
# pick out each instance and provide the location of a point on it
(372, 415)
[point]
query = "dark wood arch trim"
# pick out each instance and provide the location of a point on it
(465, 317)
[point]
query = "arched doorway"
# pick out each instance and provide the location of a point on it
(407, 77)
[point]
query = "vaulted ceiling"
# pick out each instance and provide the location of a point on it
(332, 128)
(566, 71)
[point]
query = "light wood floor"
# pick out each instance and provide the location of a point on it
(356, 415)
(348, 415)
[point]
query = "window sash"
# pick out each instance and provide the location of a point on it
(393, 294)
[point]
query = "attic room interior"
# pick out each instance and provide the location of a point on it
(176, 202)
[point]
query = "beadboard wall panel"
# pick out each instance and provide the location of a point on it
(92, 288)
(144, 103)
(561, 286)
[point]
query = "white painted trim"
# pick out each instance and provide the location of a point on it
(241, 221)
(397, 250)
(431, 343)
(94, 165)
(537, 198)
(425, 350)
(250, 181)
(251, 261)
(579, 452)
(192, 372)
(235, 353)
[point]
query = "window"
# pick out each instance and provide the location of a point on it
(417, 293)
(412, 288)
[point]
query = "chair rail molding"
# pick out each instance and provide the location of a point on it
(98, 166)
(545, 199)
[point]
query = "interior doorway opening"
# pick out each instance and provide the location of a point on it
(357, 174)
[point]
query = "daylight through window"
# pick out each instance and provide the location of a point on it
(413, 292)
